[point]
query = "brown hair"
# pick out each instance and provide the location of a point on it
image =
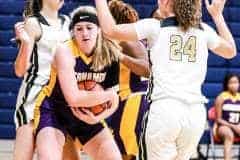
(187, 13)
(106, 51)
(123, 12)
(32, 7)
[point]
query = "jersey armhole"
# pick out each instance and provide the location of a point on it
(63, 19)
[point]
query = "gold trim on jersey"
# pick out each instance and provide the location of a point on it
(45, 91)
(228, 96)
(124, 82)
(128, 124)
(72, 44)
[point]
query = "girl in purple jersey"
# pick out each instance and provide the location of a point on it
(88, 55)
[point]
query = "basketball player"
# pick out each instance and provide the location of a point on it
(126, 121)
(179, 50)
(95, 59)
(226, 127)
(43, 28)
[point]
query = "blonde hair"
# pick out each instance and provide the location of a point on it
(106, 51)
(187, 13)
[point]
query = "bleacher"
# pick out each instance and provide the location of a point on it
(11, 12)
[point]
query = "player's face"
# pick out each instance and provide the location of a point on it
(233, 84)
(55, 4)
(86, 35)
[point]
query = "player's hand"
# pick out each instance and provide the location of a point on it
(114, 98)
(85, 115)
(215, 9)
(20, 32)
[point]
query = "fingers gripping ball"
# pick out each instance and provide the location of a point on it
(93, 86)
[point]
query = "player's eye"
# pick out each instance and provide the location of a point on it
(89, 28)
(79, 29)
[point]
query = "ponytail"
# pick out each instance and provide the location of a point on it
(32, 8)
(187, 13)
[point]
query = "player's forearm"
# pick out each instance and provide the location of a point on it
(23, 59)
(223, 122)
(83, 98)
(225, 33)
(106, 20)
(138, 66)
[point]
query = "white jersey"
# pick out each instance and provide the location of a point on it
(43, 54)
(38, 74)
(179, 59)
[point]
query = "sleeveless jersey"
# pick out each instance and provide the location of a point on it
(106, 77)
(38, 74)
(231, 107)
(179, 59)
(129, 82)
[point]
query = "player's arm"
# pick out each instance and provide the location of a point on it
(88, 117)
(27, 32)
(65, 71)
(123, 32)
(218, 105)
(135, 58)
(226, 46)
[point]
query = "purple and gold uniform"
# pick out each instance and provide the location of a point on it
(129, 82)
(230, 111)
(52, 109)
(231, 107)
(127, 120)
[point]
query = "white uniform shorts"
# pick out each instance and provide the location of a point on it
(172, 130)
(26, 102)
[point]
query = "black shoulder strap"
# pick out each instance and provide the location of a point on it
(41, 19)
(172, 22)
(62, 18)
(169, 22)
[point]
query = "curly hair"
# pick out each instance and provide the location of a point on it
(187, 13)
(123, 12)
(32, 7)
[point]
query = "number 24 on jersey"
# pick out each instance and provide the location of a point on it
(178, 48)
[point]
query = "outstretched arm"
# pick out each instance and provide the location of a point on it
(65, 71)
(226, 46)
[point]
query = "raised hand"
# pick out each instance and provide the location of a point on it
(21, 33)
(216, 7)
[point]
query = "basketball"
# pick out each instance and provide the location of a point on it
(93, 86)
